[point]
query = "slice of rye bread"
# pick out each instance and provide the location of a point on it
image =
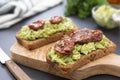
(67, 69)
(42, 41)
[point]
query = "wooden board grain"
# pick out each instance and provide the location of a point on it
(37, 59)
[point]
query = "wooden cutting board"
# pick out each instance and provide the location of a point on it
(36, 59)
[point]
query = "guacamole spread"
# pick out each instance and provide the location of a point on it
(77, 52)
(49, 29)
(104, 16)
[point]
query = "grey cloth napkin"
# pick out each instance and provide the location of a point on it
(13, 11)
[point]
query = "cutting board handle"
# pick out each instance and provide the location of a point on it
(107, 65)
(18, 73)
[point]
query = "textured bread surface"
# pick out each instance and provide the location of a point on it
(67, 69)
(42, 41)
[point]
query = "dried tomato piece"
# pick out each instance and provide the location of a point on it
(87, 35)
(36, 25)
(65, 46)
(56, 19)
(97, 35)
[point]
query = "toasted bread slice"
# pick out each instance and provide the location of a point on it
(67, 69)
(42, 41)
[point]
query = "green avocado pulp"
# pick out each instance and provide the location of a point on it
(49, 29)
(77, 52)
(104, 16)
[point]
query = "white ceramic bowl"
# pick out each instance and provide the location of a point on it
(109, 24)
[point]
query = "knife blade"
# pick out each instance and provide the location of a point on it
(3, 57)
(18, 73)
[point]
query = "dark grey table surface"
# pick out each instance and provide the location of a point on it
(7, 39)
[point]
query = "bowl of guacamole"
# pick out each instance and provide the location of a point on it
(103, 16)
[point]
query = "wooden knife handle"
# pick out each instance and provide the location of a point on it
(18, 73)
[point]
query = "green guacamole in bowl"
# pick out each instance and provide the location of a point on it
(103, 16)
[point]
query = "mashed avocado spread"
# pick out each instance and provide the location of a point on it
(49, 29)
(77, 52)
(104, 16)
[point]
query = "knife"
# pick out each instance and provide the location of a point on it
(18, 73)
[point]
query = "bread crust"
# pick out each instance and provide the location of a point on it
(67, 69)
(43, 41)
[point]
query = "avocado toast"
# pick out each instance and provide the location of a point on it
(77, 49)
(42, 32)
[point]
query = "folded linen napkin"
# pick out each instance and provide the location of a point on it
(13, 11)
